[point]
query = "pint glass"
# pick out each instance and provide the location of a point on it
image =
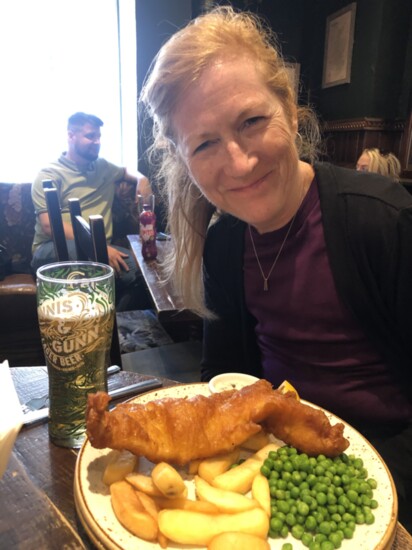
(75, 305)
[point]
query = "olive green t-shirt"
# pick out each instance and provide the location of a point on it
(94, 186)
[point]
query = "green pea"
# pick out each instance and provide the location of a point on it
(332, 499)
(283, 506)
(332, 509)
(351, 508)
(373, 504)
(276, 524)
(344, 501)
(284, 531)
(369, 518)
(360, 519)
(352, 495)
(310, 523)
(287, 546)
(327, 545)
(333, 525)
(340, 509)
(306, 539)
(358, 463)
(372, 483)
(297, 531)
(325, 528)
(288, 466)
(319, 470)
(300, 519)
(335, 539)
(348, 532)
(290, 519)
(294, 492)
(303, 508)
(297, 478)
(264, 470)
(311, 480)
(277, 465)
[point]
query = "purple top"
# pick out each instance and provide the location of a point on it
(305, 333)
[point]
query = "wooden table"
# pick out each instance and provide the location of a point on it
(180, 323)
(37, 508)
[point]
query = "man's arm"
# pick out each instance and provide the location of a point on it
(139, 182)
(143, 186)
(46, 226)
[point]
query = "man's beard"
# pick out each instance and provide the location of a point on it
(91, 156)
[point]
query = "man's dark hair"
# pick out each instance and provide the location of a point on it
(80, 119)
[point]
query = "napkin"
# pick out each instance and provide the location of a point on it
(11, 415)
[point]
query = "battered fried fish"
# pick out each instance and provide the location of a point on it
(179, 430)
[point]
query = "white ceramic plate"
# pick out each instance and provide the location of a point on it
(93, 505)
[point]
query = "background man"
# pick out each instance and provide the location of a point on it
(80, 173)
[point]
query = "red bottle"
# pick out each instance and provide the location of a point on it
(148, 233)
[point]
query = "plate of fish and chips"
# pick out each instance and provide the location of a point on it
(95, 511)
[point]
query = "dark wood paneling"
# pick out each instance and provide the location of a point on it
(345, 139)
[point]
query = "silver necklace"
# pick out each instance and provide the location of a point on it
(266, 277)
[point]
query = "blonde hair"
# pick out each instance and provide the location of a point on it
(181, 61)
(383, 163)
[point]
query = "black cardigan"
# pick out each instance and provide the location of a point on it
(367, 223)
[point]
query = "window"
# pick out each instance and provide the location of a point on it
(59, 57)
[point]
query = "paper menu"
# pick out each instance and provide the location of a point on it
(11, 415)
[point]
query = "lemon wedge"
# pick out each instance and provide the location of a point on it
(286, 387)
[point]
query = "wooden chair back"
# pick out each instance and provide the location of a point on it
(90, 242)
(56, 223)
(89, 238)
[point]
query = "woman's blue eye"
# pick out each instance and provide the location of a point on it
(201, 147)
(252, 121)
(204, 146)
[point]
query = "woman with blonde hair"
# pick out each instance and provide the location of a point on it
(372, 160)
(300, 269)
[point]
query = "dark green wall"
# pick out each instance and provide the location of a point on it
(381, 77)
(382, 30)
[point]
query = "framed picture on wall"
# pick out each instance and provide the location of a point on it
(293, 70)
(340, 27)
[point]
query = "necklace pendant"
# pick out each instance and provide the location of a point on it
(265, 285)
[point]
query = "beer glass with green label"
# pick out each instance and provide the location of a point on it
(75, 305)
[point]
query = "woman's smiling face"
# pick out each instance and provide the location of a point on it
(238, 145)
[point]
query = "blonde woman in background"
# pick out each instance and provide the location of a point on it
(372, 160)
(301, 269)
